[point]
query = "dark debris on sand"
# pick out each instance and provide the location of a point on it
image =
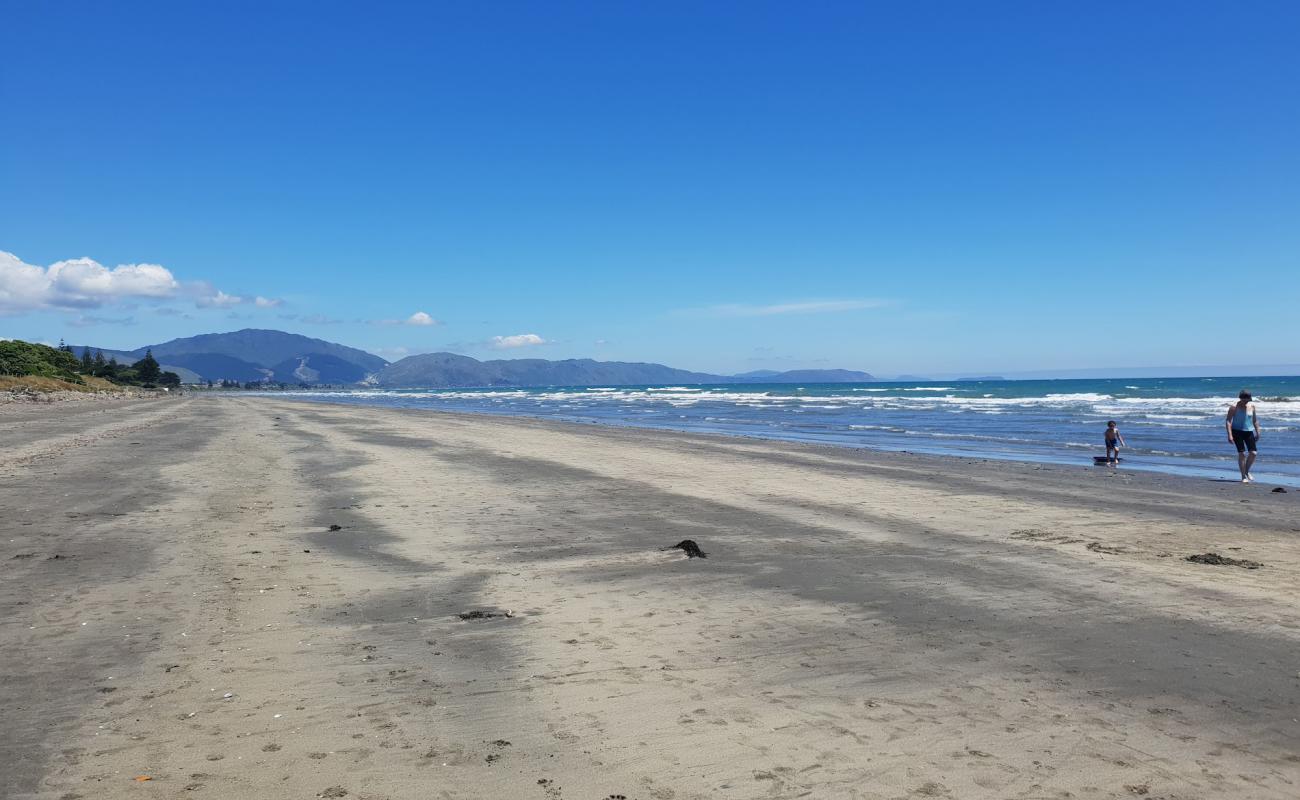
(479, 614)
(691, 549)
(1214, 559)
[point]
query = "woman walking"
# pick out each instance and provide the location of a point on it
(1243, 431)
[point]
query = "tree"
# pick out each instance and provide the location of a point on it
(169, 379)
(26, 358)
(99, 363)
(147, 369)
(87, 363)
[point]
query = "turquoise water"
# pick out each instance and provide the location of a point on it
(1171, 424)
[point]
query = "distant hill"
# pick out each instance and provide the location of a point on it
(216, 367)
(449, 369)
(264, 347)
(433, 370)
(256, 355)
(319, 368)
(267, 355)
(122, 356)
(130, 357)
(806, 376)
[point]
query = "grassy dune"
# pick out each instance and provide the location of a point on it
(36, 383)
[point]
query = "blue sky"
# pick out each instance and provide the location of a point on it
(898, 187)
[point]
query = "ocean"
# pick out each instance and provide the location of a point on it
(1171, 425)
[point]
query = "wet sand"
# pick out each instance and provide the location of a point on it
(866, 625)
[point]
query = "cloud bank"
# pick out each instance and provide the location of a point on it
(83, 283)
(518, 340)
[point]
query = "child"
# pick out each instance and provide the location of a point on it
(1114, 441)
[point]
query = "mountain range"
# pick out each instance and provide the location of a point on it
(450, 369)
(276, 356)
(255, 355)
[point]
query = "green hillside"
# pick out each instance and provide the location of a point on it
(19, 359)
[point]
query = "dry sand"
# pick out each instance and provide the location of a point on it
(866, 625)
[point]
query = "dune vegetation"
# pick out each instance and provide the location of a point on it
(39, 367)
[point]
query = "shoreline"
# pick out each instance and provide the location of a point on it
(1197, 472)
(866, 625)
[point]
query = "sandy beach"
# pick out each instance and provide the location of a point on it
(240, 597)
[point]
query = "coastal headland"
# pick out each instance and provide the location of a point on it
(246, 597)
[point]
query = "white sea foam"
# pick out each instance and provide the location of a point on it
(1082, 397)
(1170, 410)
(1152, 424)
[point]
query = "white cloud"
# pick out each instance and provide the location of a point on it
(218, 299)
(805, 307)
(22, 286)
(86, 321)
(208, 296)
(81, 283)
(77, 283)
(518, 340)
(419, 320)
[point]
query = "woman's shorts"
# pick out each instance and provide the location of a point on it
(1245, 440)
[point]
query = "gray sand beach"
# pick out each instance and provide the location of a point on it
(179, 619)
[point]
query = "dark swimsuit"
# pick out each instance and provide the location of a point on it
(1243, 437)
